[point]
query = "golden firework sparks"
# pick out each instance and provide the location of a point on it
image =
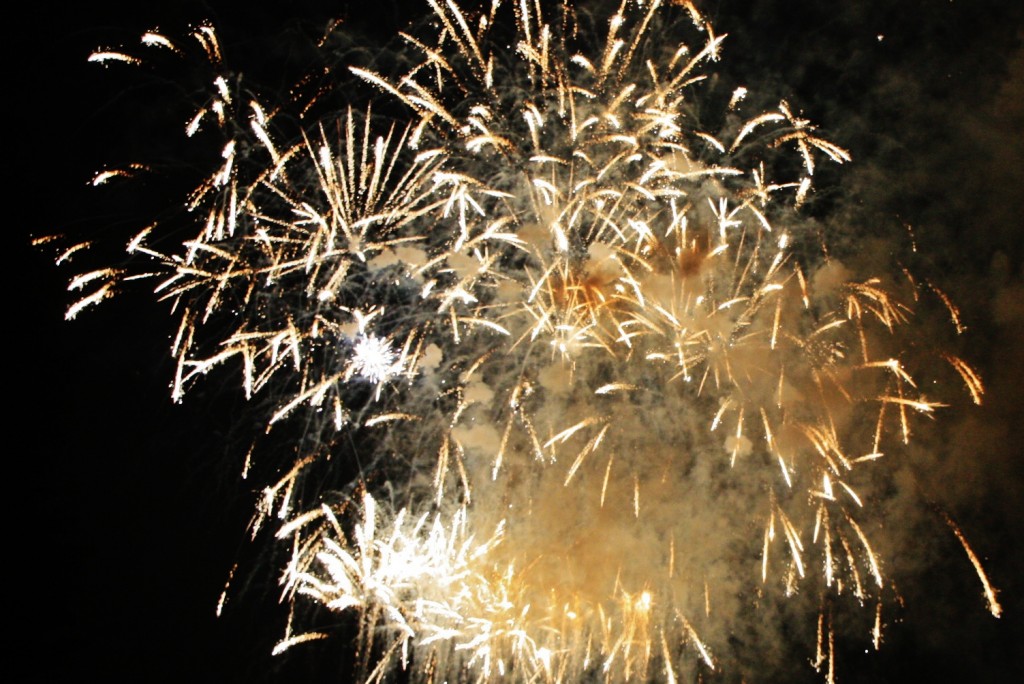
(563, 317)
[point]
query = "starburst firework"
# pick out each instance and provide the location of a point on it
(561, 305)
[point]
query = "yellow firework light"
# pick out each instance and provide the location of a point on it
(567, 305)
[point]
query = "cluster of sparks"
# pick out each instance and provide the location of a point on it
(565, 315)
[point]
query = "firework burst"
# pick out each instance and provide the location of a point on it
(564, 303)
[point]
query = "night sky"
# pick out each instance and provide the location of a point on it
(128, 511)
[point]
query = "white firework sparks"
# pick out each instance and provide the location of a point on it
(374, 359)
(599, 358)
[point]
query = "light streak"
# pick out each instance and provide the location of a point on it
(989, 590)
(533, 303)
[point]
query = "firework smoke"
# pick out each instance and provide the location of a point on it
(608, 396)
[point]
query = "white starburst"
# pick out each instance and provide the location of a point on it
(374, 359)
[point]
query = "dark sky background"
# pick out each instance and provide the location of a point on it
(127, 511)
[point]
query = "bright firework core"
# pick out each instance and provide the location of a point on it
(374, 359)
(617, 413)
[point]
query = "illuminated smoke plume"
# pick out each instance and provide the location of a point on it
(611, 403)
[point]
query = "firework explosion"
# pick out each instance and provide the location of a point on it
(604, 393)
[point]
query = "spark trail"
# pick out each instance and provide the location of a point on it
(566, 305)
